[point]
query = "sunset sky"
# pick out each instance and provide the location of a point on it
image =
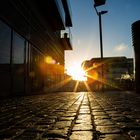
(117, 40)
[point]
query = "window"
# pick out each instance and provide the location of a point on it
(18, 63)
(18, 49)
(36, 59)
(5, 43)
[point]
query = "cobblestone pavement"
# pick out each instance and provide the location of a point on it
(69, 115)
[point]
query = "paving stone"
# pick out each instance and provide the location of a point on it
(114, 137)
(103, 122)
(108, 129)
(119, 118)
(58, 113)
(82, 135)
(135, 134)
(82, 126)
(83, 121)
(22, 125)
(96, 108)
(101, 110)
(62, 124)
(52, 138)
(66, 118)
(127, 113)
(84, 117)
(84, 107)
(58, 133)
(138, 121)
(7, 134)
(128, 126)
(113, 112)
(69, 115)
(30, 133)
(108, 108)
(134, 116)
(98, 113)
(41, 127)
(84, 111)
(101, 117)
(115, 115)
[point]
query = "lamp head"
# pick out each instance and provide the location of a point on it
(103, 12)
(99, 2)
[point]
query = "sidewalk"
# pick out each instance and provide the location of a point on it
(69, 115)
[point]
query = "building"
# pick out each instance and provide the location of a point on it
(136, 45)
(109, 71)
(30, 31)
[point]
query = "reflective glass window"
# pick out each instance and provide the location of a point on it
(5, 43)
(18, 49)
(18, 63)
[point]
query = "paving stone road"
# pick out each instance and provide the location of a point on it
(71, 116)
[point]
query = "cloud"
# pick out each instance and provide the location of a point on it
(120, 48)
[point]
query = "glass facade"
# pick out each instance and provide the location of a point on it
(19, 63)
(5, 49)
(28, 34)
(18, 49)
(5, 43)
(35, 71)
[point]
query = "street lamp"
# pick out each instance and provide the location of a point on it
(99, 3)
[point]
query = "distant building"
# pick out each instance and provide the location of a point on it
(108, 71)
(30, 31)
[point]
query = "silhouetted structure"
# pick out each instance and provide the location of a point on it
(30, 31)
(115, 69)
(100, 13)
(99, 2)
(136, 44)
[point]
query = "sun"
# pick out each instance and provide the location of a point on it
(77, 73)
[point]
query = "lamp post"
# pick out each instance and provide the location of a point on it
(100, 30)
(99, 3)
